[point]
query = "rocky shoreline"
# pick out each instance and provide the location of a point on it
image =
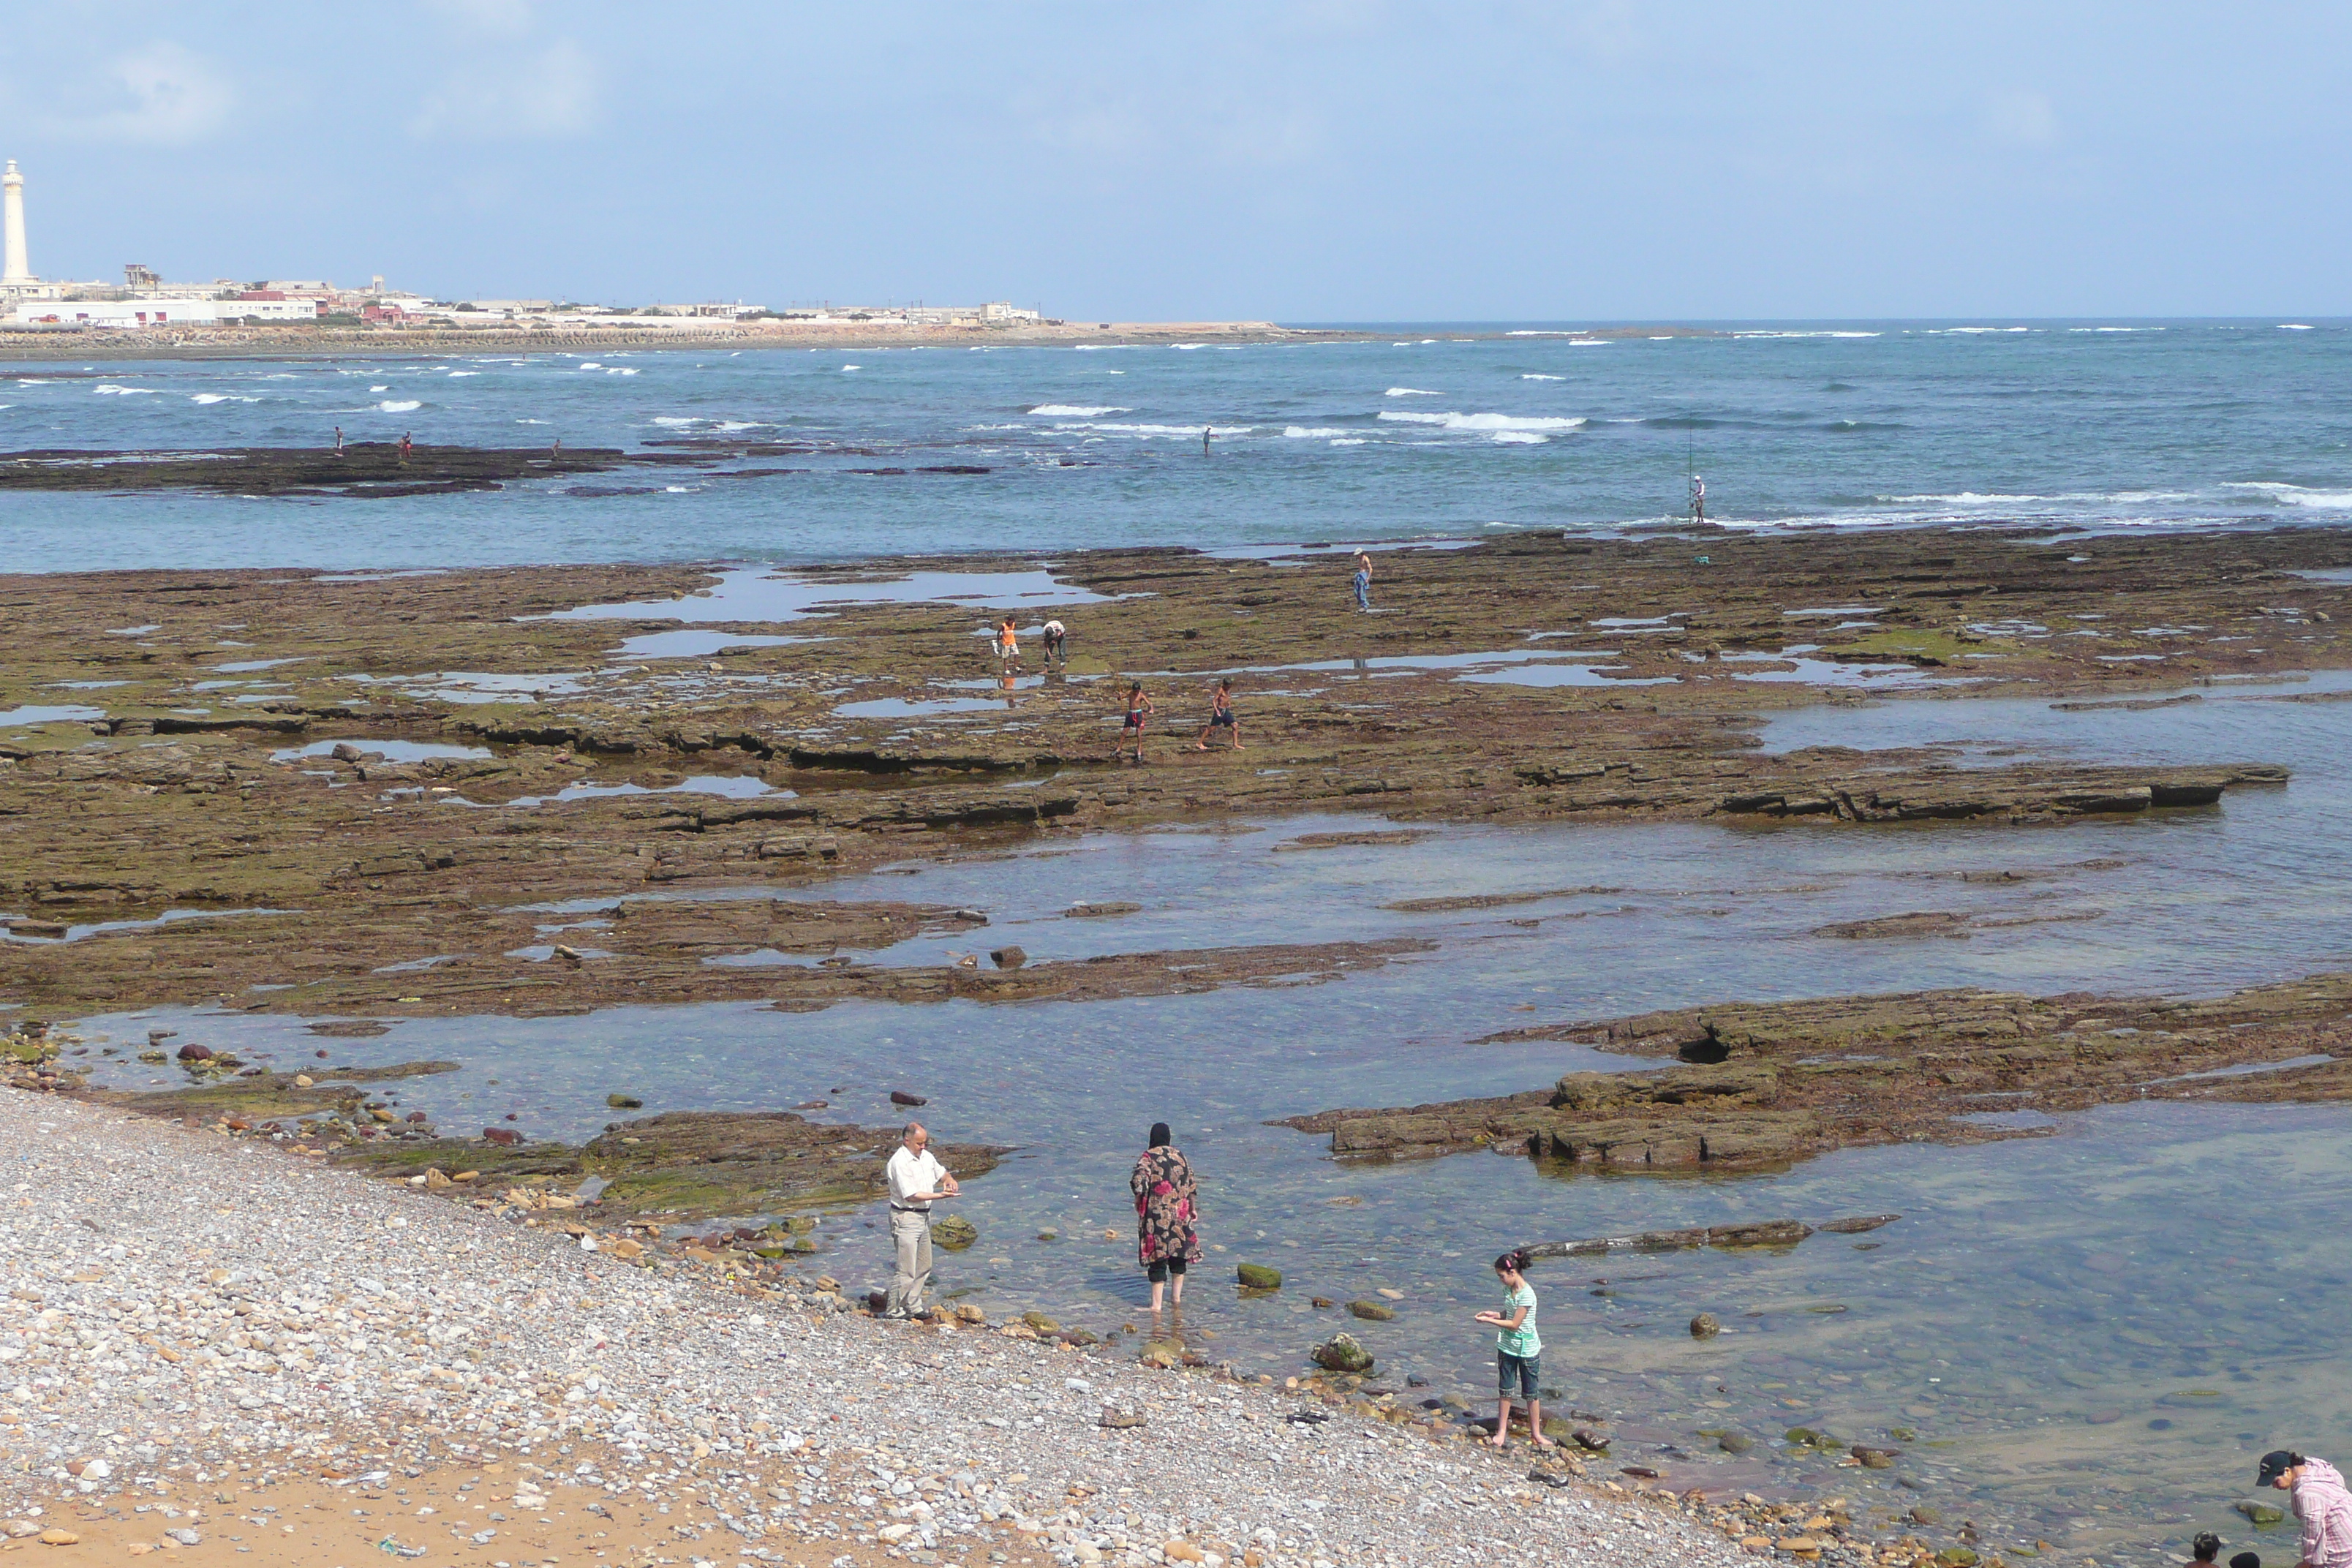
(358, 797)
(186, 1329)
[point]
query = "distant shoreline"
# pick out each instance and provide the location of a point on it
(54, 344)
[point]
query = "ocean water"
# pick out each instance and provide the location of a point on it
(1423, 431)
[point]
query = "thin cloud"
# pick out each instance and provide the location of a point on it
(547, 97)
(162, 95)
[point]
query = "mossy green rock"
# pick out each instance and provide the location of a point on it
(1371, 1311)
(1955, 1557)
(624, 1101)
(1342, 1354)
(1041, 1322)
(955, 1233)
(2262, 1515)
(1258, 1277)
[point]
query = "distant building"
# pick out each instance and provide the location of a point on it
(145, 312)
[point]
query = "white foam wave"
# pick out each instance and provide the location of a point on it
(1310, 432)
(391, 405)
(850, 367)
(1077, 410)
(209, 398)
(1484, 424)
(1971, 332)
(2114, 329)
(592, 365)
(107, 389)
(2298, 495)
(1349, 441)
(1532, 376)
(625, 370)
(379, 389)
(731, 425)
(454, 373)
(1410, 391)
(1520, 439)
(1823, 332)
(2293, 327)
(675, 421)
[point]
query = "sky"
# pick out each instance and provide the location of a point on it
(1287, 160)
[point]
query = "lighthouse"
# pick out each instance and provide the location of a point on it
(16, 269)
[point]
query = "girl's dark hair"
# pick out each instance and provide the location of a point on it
(1161, 1136)
(2206, 1547)
(1517, 1262)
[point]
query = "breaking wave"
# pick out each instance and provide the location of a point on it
(1486, 424)
(1077, 410)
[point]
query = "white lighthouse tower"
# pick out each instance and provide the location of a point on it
(16, 269)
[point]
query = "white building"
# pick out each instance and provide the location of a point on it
(136, 313)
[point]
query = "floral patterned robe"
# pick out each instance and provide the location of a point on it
(1164, 1195)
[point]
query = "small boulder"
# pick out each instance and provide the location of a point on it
(1007, 957)
(900, 1097)
(195, 1053)
(1371, 1311)
(1041, 1323)
(1735, 1443)
(2262, 1515)
(1342, 1354)
(625, 1102)
(1706, 1326)
(1258, 1277)
(505, 1137)
(1875, 1458)
(953, 1232)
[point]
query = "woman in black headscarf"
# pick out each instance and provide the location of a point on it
(1165, 1195)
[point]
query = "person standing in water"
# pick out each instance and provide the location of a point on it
(1363, 581)
(1166, 1197)
(338, 440)
(1518, 1350)
(1204, 440)
(1008, 646)
(1057, 644)
(1698, 499)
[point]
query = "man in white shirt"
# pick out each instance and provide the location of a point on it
(916, 1180)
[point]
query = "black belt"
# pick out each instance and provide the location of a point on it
(907, 1208)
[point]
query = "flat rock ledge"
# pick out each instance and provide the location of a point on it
(1763, 1085)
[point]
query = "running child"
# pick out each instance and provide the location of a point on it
(1221, 717)
(1518, 1350)
(1138, 714)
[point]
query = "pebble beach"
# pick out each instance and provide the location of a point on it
(185, 1313)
